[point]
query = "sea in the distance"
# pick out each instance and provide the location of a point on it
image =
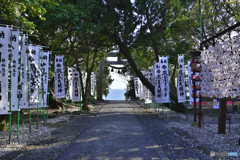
(115, 94)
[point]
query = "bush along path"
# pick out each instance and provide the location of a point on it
(62, 135)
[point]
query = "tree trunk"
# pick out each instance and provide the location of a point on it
(178, 107)
(55, 103)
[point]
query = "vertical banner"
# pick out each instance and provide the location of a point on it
(15, 58)
(164, 79)
(149, 78)
(181, 80)
(45, 71)
(140, 89)
(35, 76)
(76, 85)
(4, 35)
(59, 89)
(94, 89)
(158, 94)
(70, 83)
(190, 84)
(152, 75)
(92, 83)
(24, 79)
(136, 87)
(143, 87)
(147, 91)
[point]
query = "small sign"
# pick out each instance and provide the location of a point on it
(194, 65)
(215, 104)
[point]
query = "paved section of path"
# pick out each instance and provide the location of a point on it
(115, 134)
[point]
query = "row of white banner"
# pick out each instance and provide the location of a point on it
(33, 89)
(36, 87)
(158, 76)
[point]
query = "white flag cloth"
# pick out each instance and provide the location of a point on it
(76, 85)
(59, 77)
(164, 79)
(70, 83)
(141, 90)
(190, 84)
(181, 80)
(93, 83)
(24, 78)
(4, 35)
(136, 87)
(152, 81)
(143, 87)
(45, 71)
(147, 92)
(15, 65)
(158, 93)
(35, 76)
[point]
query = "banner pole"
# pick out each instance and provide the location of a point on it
(50, 58)
(170, 95)
(66, 90)
(28, 73)
(44, 118)
(80, 90)
(185, 88)
(19, 82)
(38, 90)
(94, 80)
(10, 95)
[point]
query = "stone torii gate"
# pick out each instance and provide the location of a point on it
(101, 65)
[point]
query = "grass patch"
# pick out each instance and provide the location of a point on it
(194, 124)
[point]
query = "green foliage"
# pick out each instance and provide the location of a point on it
(18, 11)
(130, 93)
(106, 80)
(3, 127)
(92, 100)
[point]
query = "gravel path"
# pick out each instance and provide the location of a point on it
(115, 134)
(180, 140)
(175, 136)
(59, 137)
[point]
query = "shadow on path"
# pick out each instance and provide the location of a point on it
(115, 134)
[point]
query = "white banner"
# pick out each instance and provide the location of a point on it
(59, 77)
(15, 65)
(147, 91)
(70, 84)
(35, 76)
(190, 84)
(152, 81)
(4, 35)
(45, 71)
(144, 92)
(181, 80)
(24, 78)
(140, 90)
(136, 87)
(76, 85)
(92, 83)
(158, 93)
(164, 79)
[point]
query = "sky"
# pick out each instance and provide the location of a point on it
(118, 83)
